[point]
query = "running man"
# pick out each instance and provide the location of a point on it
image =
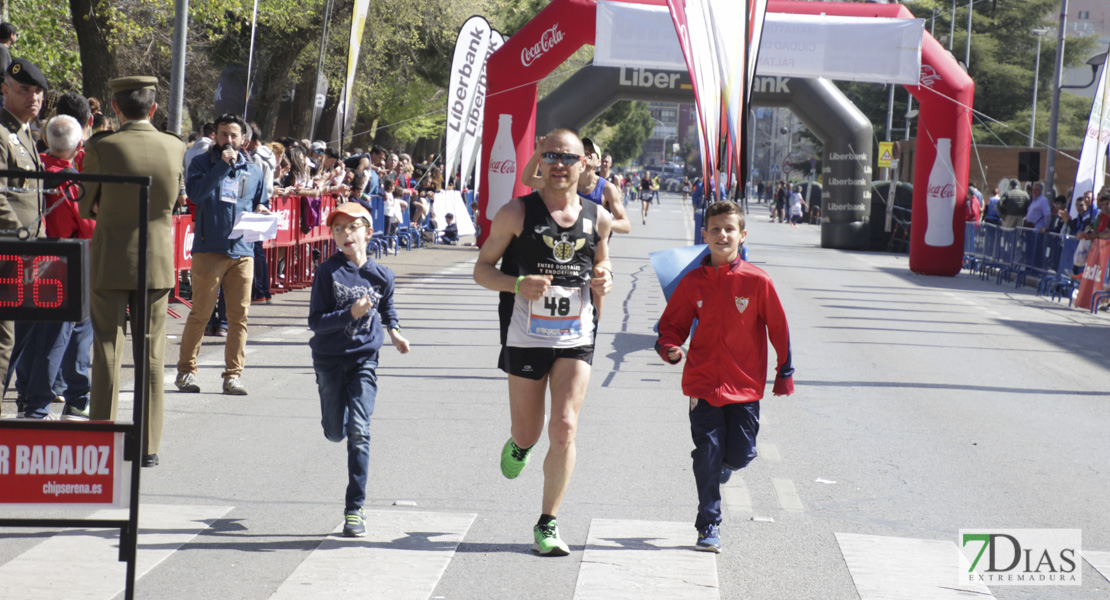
(554, 253)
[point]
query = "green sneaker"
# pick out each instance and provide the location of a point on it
(513, 459)
(547, 540)
(354, 523)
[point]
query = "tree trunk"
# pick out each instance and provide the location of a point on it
(98, 64)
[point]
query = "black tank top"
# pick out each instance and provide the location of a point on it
(545, 248)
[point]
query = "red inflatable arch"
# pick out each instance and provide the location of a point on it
(945, 93)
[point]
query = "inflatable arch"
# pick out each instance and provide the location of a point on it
(843, 129)
(944, 92)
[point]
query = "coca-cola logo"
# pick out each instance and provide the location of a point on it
(547, 41)
(285, 218)
(503, 166)
(929, 76)
(187, 245)
(943, 191)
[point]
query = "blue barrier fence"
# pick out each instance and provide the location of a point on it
(1015, 254)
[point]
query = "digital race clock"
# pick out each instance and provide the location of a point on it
(44, 280)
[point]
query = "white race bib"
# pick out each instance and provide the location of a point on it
(557, 314)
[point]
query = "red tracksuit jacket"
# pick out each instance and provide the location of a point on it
(737, 311)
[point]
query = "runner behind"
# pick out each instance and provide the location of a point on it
(737, 310)
(352, 299)
(554, 254)
(646, 195)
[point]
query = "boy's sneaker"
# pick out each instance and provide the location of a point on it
(513, 459)
(234, 387)
(187, 382)
(709, 538)
(72, 413)
(726, 474)
(355, 525)
(547, 540)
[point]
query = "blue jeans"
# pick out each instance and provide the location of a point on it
(348, 388)
(50, 349)
(724, 437)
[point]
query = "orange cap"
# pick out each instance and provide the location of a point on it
(351, 209)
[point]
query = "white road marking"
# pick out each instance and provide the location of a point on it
(892, 568)
(77, 564)
(1099, 560)
(736, 496)
(645, 560)
(787, 495)
(402, 557)
(769, 451)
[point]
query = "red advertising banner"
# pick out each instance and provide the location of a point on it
(183, 242)
(1094, 274)
(62, 468)
(285, 207)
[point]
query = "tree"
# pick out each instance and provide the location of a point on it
(622, 130)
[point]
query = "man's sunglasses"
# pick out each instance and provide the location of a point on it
(554, 157)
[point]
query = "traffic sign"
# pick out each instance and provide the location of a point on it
(786, 168)
(886, 153)
(774, 169)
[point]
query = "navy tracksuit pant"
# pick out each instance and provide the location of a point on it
(724, 436)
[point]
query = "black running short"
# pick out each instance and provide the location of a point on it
(535, 363)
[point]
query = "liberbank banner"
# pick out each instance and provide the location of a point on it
(40, 468)
(839, 48)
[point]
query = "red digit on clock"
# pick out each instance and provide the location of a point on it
(42, 300)
(7, 284)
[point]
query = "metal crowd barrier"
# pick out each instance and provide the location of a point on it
(1017, 253)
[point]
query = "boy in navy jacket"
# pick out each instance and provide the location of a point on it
(351, 306)
(726, 371)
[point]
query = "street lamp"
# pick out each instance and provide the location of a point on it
(1040, 32)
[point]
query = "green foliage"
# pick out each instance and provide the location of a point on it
(511, 15)
(1003, 52)
(48, 40)
(629, 132)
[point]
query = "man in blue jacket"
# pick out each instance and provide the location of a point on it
(224, 184)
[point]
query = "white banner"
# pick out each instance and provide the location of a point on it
(454, 203)
(1092, 158)
(843, 48)
(472, 141)
(344, 116)
(471, 48)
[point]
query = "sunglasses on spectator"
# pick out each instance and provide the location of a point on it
(349, 228)
(554, 157)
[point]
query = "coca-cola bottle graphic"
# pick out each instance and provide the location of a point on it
(501, 174)
(941, 197)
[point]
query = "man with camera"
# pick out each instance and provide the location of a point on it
(223, 183)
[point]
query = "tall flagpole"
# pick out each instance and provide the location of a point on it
(316, 108)
(250, 59)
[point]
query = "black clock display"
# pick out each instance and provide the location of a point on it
(44, 280)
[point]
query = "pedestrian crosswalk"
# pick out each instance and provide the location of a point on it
(402, 557)
(83, 564)
(406, 552)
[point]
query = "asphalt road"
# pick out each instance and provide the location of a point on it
(924, 406)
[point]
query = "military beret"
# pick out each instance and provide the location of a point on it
(135, 82)
(25, 72)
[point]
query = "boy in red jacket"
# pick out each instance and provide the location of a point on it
(737, 310)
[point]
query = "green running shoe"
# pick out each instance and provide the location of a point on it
(513, 459)
(355, 523)
(547, 540)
